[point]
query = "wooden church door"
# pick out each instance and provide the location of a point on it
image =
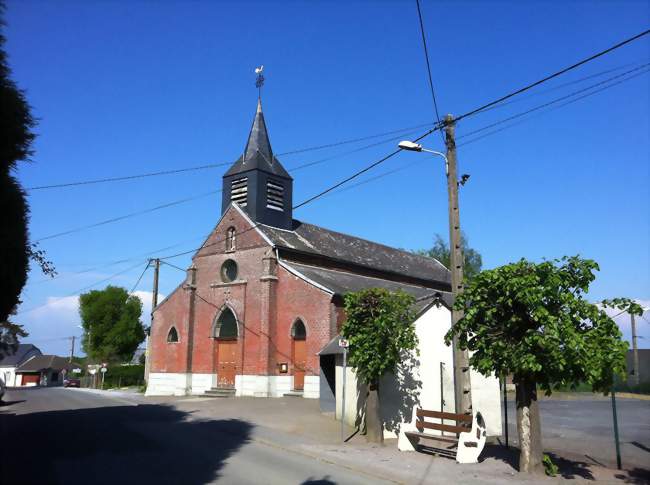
(299, 364)
(226, 363)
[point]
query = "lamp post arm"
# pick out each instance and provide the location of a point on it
(440, 154)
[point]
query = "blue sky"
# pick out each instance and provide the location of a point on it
(133, 87)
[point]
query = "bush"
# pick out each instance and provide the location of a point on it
(550, 468)
(124, 375)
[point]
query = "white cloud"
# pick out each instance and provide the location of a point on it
(51, 325)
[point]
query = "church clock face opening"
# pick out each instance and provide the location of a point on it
(228, 271)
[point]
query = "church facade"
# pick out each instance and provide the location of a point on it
(264, 294)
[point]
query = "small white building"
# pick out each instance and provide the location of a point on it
(9, 363)
(424, 381)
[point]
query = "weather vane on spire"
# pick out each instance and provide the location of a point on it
(259, 81)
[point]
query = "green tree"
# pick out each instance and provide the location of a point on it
(532, 320)
(440, 251)
(16, 124)
(111, 323)
(380, 327)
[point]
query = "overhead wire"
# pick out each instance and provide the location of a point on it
(113, 276)
(541, 92)
(552, 76)
(216, 165)
(213, 192)
(573, 98)
(426, 57)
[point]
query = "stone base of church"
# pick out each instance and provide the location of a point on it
(182, 384)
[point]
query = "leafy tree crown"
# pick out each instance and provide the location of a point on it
(380, 326)
(111, 322)
(532, 320)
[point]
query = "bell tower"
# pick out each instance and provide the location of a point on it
(258, 182)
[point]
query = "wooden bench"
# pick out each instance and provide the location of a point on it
(466, 433)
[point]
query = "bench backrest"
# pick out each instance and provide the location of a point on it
(462, 422)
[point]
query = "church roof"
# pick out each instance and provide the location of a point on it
(258, 154)
(342, 282)
(318, 241)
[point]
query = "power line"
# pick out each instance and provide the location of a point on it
(426, 57)
(353, 140)
(140, 278)
(112, 263)
(189, 199)
(215, 165)
(545, 105)
(554, 75)
(127, 216)
(115, 275)
(128, 177)
(362, 171)
(560, 86)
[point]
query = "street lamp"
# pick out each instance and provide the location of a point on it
(462, 385)
(416, 147)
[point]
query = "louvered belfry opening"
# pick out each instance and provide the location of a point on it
(239, 191)
(258, 182)
(274, 195)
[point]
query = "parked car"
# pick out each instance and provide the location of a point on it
(71, 382)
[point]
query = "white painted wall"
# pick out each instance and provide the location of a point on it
(167, 384)
(418, 383)
(8, 375)
(202, 382)
(181, 384)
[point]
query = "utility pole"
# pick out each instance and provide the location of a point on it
(635, 353)
(154, 304)
(72, 349)
(462, 385)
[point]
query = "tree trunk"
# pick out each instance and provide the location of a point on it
(529, 428)
(374, 428)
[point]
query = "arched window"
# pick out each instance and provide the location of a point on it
(231, 239)
(298, 331)
(226, 325)
(172, 336)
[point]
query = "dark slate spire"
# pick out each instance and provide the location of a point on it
(258, 182)
(258, 153)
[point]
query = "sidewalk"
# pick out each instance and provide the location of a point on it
(296, 425)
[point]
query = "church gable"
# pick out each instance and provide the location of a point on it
(234, 232)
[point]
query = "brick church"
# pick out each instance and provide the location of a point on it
(263, 296)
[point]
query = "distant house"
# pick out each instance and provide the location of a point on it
(44, 370)
(9, 363)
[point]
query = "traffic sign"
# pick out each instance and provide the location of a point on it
(344, 343)
(103, 369)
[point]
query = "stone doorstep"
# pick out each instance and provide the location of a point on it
(219, 392)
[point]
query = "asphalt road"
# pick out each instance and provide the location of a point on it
(52, 436)
(582, 429)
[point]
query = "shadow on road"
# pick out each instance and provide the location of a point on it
(568, 469)
(121, 444)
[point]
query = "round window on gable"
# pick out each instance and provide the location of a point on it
(228, 271)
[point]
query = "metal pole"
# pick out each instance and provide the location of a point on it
(462, 385)
(505, 409)
(72, 349)
(345, 365)
(618, 446)
(635, 353)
